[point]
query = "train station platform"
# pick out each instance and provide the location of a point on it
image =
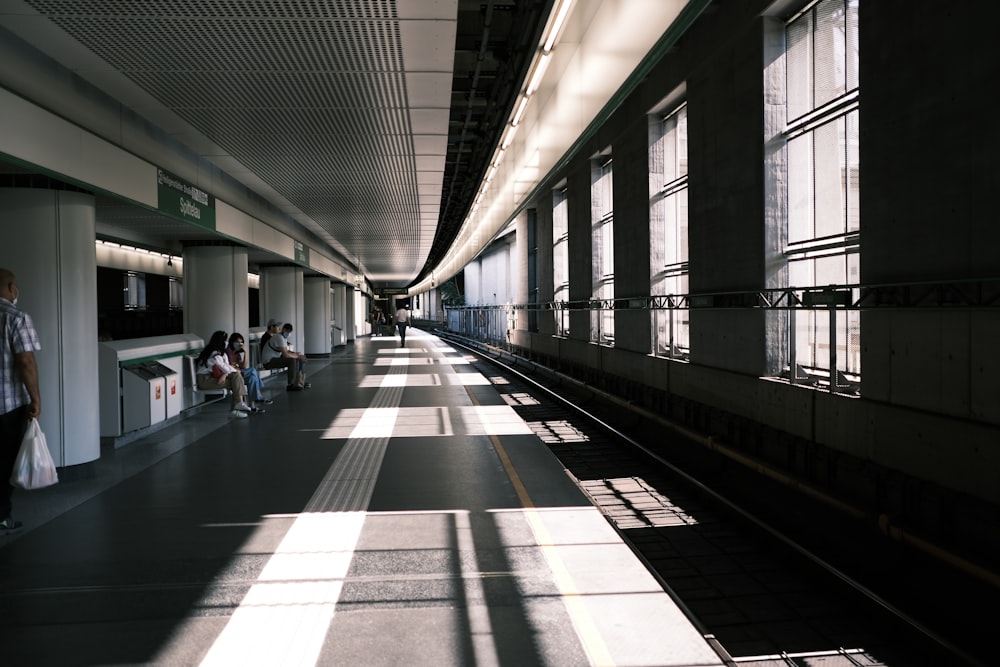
(397, 512)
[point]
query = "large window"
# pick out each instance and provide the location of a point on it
(560, 260)
(602, 324)
(823, 241)
(532, 243)
(668, 158)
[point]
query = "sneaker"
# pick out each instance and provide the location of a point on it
(266, 401)
(293, 387)
(238, 414)
(8, 526)
(242, 407)
(306, 385)
(257, 411)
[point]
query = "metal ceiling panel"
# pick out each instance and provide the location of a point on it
(369, 123)
(313, 97)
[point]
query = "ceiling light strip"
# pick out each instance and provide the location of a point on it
(688, 15)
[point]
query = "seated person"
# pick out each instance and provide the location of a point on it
(268, 332)
(213, 371)
(237, 356)
(274, 353)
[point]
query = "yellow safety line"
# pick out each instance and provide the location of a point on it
(586, 630)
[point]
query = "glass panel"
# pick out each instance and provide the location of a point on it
(682, 226)
(830, 52)
(560, 243)
(798, 64)
(682, 142)
(830, 270)
(852, 44)
(831, 204)
(669, 145)
(853, 173)
(607, 249)
(800, 189)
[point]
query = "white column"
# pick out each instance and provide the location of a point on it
(215, 290)
(49, 245)
(317, 316)
(356, 313)
(282, 297)
(340, 312)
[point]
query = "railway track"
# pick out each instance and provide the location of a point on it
(771, 576)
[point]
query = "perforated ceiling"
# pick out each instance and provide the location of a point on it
(342, 107)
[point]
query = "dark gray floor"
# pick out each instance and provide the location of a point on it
(394, 513)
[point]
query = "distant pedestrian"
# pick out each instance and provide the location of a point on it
(20, 400)
(402, 321)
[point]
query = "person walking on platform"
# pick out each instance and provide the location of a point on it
(378, 321)
(214, 371)
(20, 399)
(402, 321)
(236, 354)
(275, 354)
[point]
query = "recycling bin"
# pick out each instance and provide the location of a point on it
(150, 394)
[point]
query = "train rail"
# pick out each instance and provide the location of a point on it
(770, 576)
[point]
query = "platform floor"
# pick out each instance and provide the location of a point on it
(398, 512)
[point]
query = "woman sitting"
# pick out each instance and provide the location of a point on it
(214, 371)
(236, 354)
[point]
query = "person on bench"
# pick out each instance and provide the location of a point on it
(213, 371)
(275, 354)
(236, 354)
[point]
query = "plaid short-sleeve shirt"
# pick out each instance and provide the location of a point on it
(19, 335)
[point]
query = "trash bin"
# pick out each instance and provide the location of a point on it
(150, 394)
(171, 388)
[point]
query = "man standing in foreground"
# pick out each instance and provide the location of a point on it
(19, 396)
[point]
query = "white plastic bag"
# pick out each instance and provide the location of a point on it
(33, 468)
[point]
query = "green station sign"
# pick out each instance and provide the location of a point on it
(301, 253)
(182, 200)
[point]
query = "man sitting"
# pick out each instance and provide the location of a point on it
(275, 354)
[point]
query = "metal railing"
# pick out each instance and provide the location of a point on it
(828, 318)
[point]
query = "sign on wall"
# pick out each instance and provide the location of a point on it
(182, 200)
(301, 253)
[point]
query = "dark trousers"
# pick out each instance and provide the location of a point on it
(402, 332)
(12, 427)
(295, 367)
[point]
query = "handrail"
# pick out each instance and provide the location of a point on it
(962, 294)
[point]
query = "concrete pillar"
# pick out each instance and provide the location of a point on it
(282, 297)
(339, 315)
(318, 315)
(215, 290)
(49, 245)
(357, 313)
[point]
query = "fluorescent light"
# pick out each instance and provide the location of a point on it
(561, 13)
(536, 77)
(511, 131)
(520, 111)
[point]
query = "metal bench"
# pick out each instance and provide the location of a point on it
(191, 381)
